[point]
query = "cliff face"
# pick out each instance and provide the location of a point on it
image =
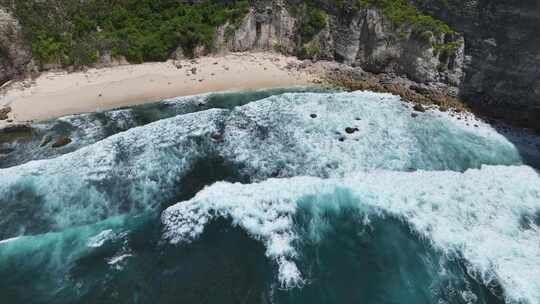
(495, 67)
(14, 53)
(359, 37)
(502, 48)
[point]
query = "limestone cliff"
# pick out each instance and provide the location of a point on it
(502, 48)
(362, 37)
(14, 53)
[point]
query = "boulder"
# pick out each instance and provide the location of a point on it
(419, 108)
(61, 141)
(4, 113)
(216, 135)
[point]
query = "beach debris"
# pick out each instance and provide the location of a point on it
(419, 108)
(201, 80)
(194, 71)
(4, 113)
(14, 132)
(61, 141)
(216, 63)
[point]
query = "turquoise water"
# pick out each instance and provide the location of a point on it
(266, 198)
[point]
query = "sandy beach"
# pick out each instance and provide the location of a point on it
(55, 94)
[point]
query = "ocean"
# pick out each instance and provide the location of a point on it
(298, 195)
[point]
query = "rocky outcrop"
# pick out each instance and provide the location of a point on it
(367, 39)
(495, 66)
(267, 26)
(502, 51)
(363, 38)
(14, 53)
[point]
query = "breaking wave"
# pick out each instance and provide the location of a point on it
(294, 198)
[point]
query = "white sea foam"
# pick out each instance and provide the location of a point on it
(275, 136)
(101, 238)
(476, 214)
(8, 240)
(117, 262)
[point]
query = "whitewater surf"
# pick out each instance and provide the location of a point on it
(297, 196)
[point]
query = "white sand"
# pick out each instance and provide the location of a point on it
(55, 94)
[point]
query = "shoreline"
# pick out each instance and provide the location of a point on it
(56, 94)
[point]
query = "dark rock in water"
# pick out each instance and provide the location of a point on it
(342, 139)
(5, 151)
(16, 132)
(313, 115)
(350, 130)
(4, 113)
(216, 135)
(61, 141)
(419, 108)
(46, 140)
(18, 128)
(413, 115)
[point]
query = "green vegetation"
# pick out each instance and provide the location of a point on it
(73, 32)
(401, 13)
(308, 52)
(314, 21)
(311, 18)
